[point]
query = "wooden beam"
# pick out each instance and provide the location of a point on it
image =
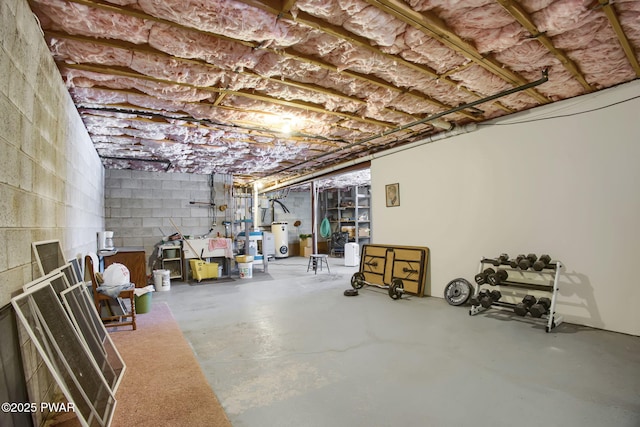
(526, 21)
(150, 50)
(123, 10)
(287, 5)
(305, 106)
(436, 28)
(343, 34)
(612, 16)
(287, 52)
(189, 123)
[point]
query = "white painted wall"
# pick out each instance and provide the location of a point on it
(564, 186)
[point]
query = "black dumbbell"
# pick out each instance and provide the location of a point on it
(527, 262)
(515, 261)
(542, 262)
(485, 298)
(522, 308)
(498, 277)
(481, 278)
(488, 298)
(541, 307)
(502, 259)
(477, 299)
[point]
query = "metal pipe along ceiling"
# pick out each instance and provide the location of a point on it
(447, 134)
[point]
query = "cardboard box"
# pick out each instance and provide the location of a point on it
(306, 242)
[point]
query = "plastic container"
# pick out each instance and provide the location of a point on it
(245, 269)
(201, 270)
(162, 280)
(143, 303)
(171, 253)
(244, 258)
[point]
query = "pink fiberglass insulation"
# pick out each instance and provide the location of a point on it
(319, 44)
(603, 74)
(527, 56)
(330, 102)
(330, 11)
(238, 82)
(232, 19)
(491, 27)
(357, 17)
(226, 54)
(167, 68)
(169, 92)
(422, 49)
(423, 5)
(89, 95)
(79, 19)
(233, 66)
(372, 23)
(584, 35)
(565, 15)
(77, 52)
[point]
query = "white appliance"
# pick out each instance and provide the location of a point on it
(280, 232)
(268, 244)
(105, 243)
(351, 254)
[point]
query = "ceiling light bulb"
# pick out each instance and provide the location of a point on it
(286, 126)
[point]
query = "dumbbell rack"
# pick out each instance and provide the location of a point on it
(554, 268)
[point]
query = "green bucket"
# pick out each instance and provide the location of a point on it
(143, 303)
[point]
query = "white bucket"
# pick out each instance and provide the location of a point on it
(246, 270)
(162, 280)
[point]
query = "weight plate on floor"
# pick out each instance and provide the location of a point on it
(396, 289)
(458, 291)
(357, 280)
(350, 292)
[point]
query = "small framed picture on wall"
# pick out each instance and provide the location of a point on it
(393, 194)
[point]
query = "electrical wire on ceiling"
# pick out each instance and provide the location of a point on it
(560, 116)
(543, 79)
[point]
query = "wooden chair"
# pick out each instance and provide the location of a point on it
(101, 299)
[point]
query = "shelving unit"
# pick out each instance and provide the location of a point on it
(545, 281)
(172, 260)
(349, 210)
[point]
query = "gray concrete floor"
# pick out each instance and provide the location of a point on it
(289, 349)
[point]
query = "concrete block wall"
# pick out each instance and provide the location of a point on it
(141, 206)
(51, 179)
(298, 202)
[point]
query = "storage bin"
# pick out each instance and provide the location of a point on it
(201, 270)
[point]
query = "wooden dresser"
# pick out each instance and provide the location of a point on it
(135, 260)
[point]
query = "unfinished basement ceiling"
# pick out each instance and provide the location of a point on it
(266, 89)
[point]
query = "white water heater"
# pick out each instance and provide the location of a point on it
(280, 232)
